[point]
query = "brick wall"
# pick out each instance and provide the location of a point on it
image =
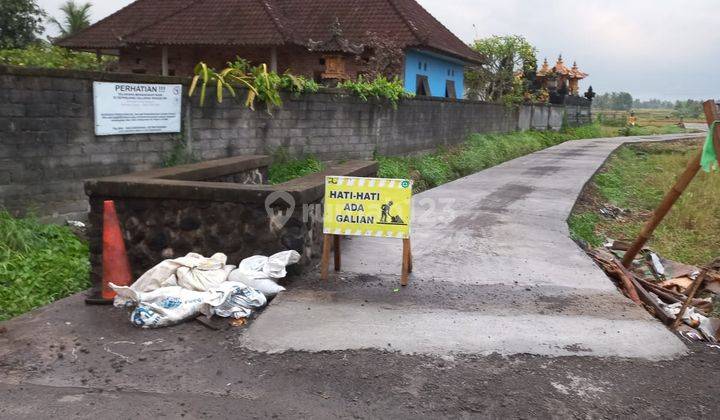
(48, 146)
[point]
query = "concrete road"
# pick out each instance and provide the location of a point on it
(514, 284)
(495, 272)
(697, 126)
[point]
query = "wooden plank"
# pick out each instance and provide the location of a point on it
(325, 261)
(691, 294)
(649, 301)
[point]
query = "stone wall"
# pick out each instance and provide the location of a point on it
(209, 207)
(48, 146)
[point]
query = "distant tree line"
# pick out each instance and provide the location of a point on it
(616, 101)
(653, 104)
(688, 109)
(623, 101)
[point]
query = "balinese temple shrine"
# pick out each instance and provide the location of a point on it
(561, 77)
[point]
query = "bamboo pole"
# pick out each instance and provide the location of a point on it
(675, 192)
(713, 108)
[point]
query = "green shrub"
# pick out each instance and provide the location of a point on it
(38, 264)
(393, 167)
(433, 169)
(379, 88)
(49, 56)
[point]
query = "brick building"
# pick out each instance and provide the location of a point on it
(316, 38)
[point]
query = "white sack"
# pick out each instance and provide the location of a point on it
(201, 274)
(192, 271)
(259, 271)
(265, 286)
(170, 305)
(162, 307)
(233, 300)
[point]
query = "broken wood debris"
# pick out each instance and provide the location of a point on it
(683, 297)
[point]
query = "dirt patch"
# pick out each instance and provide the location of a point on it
(189, 371)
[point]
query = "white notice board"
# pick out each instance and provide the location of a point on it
(134, 108)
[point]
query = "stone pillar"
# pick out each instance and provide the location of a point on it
(165, 69)
(273, 59)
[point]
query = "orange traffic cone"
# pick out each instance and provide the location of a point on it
(116, 268)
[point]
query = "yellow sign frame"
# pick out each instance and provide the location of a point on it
(361, 206)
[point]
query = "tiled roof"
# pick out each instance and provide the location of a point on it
(215, 22)
(109, 32)
(270, 22)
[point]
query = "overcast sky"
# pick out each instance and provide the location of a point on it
(667, 49)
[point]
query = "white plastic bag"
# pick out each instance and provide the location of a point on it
(259, 271)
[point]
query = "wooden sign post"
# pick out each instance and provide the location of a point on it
(375, 207)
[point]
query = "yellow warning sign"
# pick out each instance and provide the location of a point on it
(367, 206)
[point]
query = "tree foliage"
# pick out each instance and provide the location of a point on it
(506, 58)
(688, 109)
(652, 104)
(616, 101)
(20, 23)
(623, 101)
(76, 18)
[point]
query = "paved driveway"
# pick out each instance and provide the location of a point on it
(495, 272)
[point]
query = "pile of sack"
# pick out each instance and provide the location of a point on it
(183, 288)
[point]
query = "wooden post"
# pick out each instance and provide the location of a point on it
(406, 262)
(712, 107)
(691, 294)
(675, 192)
(336, 251)
(325, 261)
(410, 262)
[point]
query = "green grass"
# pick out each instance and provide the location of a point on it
(649, 130)
(39, 264)
(582, 226)
(285, 169)
(479, 152)
(636, 178)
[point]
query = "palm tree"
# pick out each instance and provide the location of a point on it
(77, 18)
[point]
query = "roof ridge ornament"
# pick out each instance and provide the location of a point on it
(336, 43)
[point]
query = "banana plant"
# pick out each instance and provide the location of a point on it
(225, 79)
(260, 83)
